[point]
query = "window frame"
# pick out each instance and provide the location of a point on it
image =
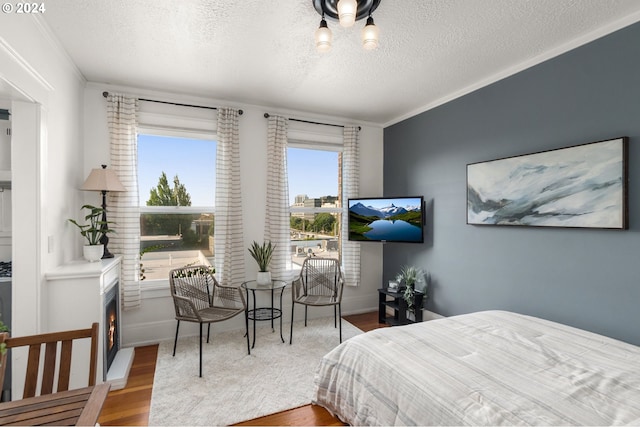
(320, 146)
(182, 133)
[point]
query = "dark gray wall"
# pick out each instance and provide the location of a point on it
(584, 278)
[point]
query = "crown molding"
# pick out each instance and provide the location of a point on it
(552, 53)
(58, 48)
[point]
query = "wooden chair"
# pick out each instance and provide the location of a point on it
(319, 284)
(52, 342)
(198, 297)
(3, 357)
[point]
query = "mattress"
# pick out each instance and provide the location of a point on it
(485, 368)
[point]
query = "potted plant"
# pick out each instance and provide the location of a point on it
(409, 276)
(93, 232)
(262, 254)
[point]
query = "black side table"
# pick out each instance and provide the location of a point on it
(263, 313)
(399, 306)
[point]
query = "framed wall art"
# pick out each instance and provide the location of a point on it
(583, 186)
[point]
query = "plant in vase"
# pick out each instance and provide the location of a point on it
(262, 253)
(409, 276)
(93, 232)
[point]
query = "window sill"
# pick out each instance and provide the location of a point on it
(155, 289)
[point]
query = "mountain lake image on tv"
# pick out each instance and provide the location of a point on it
(386, 219)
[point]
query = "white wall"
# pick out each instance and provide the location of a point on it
(46, 152)
(154, 321)
(45, 93)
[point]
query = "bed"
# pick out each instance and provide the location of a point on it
(485, 368)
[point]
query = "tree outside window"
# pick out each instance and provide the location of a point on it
(177, 173)
(170, 224)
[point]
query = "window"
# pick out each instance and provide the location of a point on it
(314, 192)
(176, 181)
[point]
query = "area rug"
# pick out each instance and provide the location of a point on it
(235, 386)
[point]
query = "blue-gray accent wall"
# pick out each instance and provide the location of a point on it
(581, 277)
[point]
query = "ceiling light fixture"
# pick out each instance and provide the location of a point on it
(347, 12)
(323, 37)
(370, 35)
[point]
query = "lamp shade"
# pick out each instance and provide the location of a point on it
(323, 37)
(103, 180)
(347, 10)
(370, 35)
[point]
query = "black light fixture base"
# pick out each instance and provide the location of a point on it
(330, 8)
(106, 254)
(104, 239)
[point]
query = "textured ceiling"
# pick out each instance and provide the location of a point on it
(261, 51)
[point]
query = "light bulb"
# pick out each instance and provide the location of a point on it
(370, 35)
(323, 37)
(347, 10)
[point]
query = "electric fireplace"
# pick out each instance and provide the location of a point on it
(111, 330)
(81, 293)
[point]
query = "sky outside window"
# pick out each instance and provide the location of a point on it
(310, 172)
(193, 160)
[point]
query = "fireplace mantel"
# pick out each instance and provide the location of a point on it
(76, 298)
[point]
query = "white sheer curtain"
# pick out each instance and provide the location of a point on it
(228, 237)
(277, 221)
(124, 211)
(350, 181)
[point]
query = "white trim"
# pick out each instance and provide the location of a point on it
(314, 145)
(158, 288)
(160, 117)
(146, 332)
(176, 209)
(300, 209)
(552, 53)
(59, 49)
(307, 134)
(175, 131)
(22, 76)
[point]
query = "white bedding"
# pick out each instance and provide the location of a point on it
(486, 368)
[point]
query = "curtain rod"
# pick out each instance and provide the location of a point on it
(267, 115)
(105, 94)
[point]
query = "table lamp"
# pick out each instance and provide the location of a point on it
(103, 180)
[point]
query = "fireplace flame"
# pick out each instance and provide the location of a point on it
(112, 330)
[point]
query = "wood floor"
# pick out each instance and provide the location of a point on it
(130, 406)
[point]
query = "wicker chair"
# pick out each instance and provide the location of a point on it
(198, 297)
(319, 284)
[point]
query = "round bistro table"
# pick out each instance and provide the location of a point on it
(263, 313)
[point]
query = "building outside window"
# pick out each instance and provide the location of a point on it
(314, 189)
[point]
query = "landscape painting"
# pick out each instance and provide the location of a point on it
(583, 186)
(390, 219)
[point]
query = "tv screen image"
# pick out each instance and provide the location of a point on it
(386, 219)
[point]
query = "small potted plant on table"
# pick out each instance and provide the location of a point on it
(409, 276)
(262, 254)
(93, 232)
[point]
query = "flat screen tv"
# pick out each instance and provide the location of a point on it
(386, 219)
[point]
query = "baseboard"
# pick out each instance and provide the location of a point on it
(155, 321)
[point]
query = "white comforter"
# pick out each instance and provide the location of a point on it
(486, 368)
